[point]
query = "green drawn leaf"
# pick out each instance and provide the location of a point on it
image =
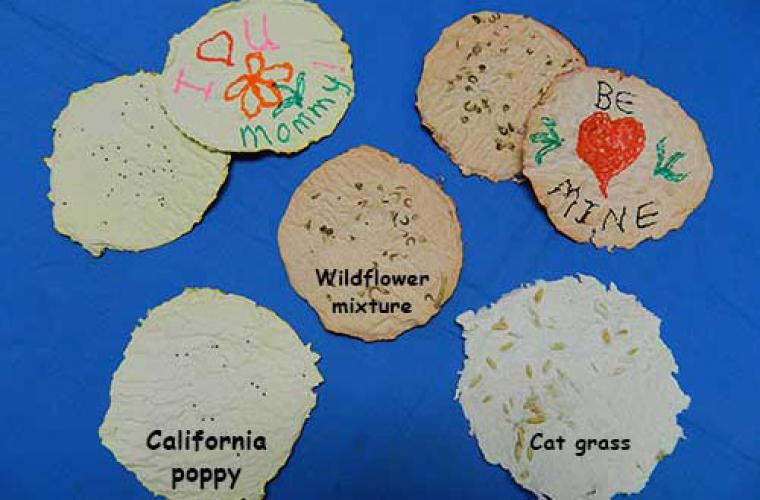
(539, 137)
(548, 121)
(666, 171)
(550, 139)
(301, 83)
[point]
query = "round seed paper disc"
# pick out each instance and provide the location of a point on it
(479, 82)
(219, 363)
(570, 358)
(614, 160)
(365, 211)
(258, 75)
(121, 175)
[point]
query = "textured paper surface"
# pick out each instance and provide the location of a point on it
(218, 362)
(479, 82)
(570, 358)
(258, 75)
(366, 209)
(619, 175)
(121, 175)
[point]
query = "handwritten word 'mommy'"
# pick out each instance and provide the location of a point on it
(303, 121)
(298, 124)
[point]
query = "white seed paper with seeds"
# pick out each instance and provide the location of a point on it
(121, 175)
(570, 358)
(217, 362)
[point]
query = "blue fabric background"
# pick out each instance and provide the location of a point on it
(386, 424)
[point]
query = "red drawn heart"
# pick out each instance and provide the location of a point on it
(609, 146)
(210, 49)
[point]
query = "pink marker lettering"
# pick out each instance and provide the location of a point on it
(181, 82)
(323, 64)
(268, 43)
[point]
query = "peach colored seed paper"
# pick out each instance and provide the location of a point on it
(373, 245)
(614, 160)
(479, 82)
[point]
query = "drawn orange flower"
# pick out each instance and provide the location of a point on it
(257, 89)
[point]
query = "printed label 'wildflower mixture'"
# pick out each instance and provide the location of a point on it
(259, 75)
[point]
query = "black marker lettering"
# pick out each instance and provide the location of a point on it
(604, 90)
(619, 102)
(640, 216)
(618, 221)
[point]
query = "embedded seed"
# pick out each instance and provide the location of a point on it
(519, 443)
(539, 295)
(601, 308)
(624, 331)
(487, 398)
(546, 366)
(534, 318)
(500, 325)
(506, 346)
(633, 351)
(531, 404)
(552, 391)
(557, 346)
(475, 380)
(528, 371)
(530, 454)
(606, 337)
(536, 419)
(490, 362)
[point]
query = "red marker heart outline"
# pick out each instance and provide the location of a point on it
(609, 146)
(227, 60)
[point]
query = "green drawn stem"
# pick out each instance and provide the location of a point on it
(296, 95)
(666, 171)
(550, 139)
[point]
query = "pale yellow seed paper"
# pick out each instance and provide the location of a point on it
(216, 363)
(614, 160)
(121, 175)
(258, 75)
(479, 82)
(372, 244)
(578, 361)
